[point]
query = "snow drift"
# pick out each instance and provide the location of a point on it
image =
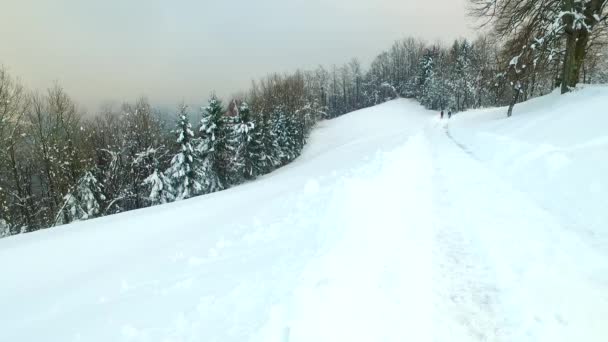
(554, 148)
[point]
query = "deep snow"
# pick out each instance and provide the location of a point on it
(393, 225)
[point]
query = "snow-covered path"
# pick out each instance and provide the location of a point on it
(517, 274)
(388, 228)
(451, 253)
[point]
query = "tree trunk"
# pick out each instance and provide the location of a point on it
(357, 96)
(576, 51)
(584, 73)
(23, 207)
(533, 86)
(576, 43)
(568, 67)
(580, 54)
(557, 80)
(571, 35)
(514, 100)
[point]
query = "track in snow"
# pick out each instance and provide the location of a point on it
(520, 274)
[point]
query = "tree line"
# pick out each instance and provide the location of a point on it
(58, 165)
(560, 42)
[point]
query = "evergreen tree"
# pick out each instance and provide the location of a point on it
(142, 131)
(211, 147)
(5, 229)
(158, 185)
(463, 75)
(308, 116)
(279, 149)
(237, 144)
(183, 170)
(161, 189)
(428, 81)
(257, 160)
(83, 202)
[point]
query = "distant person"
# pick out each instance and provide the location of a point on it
(449, 113)
(442, 114)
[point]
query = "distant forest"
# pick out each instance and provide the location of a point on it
(58, 166)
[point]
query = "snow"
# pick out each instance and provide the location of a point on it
(554, 143)
(393, 225)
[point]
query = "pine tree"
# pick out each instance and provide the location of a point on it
(211, 147)
(310, 114)
(161, 189)
(463, 75)
(5, 229)
(183, 170)
(158, 185)
(238, 143)
(427, 65)
(257, 160)
(278, 149)
(141, 132)
(83, 202)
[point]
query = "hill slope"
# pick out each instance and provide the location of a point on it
(392, 225)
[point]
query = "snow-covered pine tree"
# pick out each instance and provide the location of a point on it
(158, 185)
(161, 189)
(463, 75)
(426, 77)
(296, 130)
(309, 115)
(601, 76)
(142, 131)
(5, 229)
(83, 202)
(184, 165)
(211, 147)
(435, 91)
(482, 74)
(240, 135)
(279, 149)
(257, 161)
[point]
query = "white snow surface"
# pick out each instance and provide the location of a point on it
(392, 226)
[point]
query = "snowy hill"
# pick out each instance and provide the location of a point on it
(392, 225)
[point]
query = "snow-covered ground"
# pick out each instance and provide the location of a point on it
(392, 226)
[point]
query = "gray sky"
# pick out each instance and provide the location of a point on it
(116, 50)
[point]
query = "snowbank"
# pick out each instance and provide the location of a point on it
(555, 148)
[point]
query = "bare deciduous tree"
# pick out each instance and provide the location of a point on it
(543, 22)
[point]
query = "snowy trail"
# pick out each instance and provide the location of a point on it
(452, 253)
(385, 229)
(464, 282)
(517, 273)
(375, 283)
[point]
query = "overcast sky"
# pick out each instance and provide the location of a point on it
(181, 50)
